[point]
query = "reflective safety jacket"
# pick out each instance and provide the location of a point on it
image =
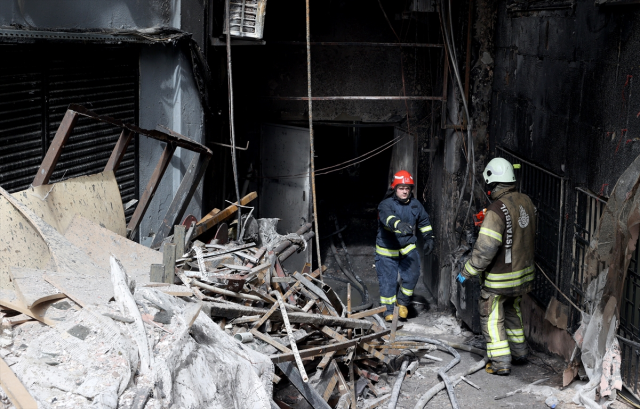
(391, 211)
(504, 251)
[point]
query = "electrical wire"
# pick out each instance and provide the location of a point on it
(231, 120)
(448, 36)
(345, 164)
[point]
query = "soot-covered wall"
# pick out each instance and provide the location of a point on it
(563, 90)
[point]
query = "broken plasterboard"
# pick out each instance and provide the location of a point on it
(95, 197)
(75, 274)
(31, 288)
(100, 243)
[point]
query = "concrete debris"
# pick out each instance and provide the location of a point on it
(99, 321)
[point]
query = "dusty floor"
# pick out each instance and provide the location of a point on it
(359, 237)
(443, 326)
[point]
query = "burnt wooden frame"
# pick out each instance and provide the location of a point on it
(187, 188)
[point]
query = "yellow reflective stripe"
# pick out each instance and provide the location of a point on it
(391, 230)
(497, 345)
(511, 276)
(492, 322)
(470, 269)
(387, 300)
(405, 250)
(514, 332)
(395, 225)
(386, 252)
(389, 218)
(406, 291)
(491, 233)
(426, 228)
(516, 339)
(498, 352)
(508, 284)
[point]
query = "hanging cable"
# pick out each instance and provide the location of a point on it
(232, 130)
(448, 36)
(345, 164)
(312, 153)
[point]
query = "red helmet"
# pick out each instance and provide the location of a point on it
(402, 178)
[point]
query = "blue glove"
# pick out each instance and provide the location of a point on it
(460, 278)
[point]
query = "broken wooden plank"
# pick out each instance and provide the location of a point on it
(181, 200)
(55, 149)
(31, 288)
(150, 190)
(341, 338)
(9, 300)
(311, 352)
(273, 308)
(169, 261)
(18, 319)
(235, 310)
(394, 325)
(210, 220)
(368, 313)
(14, 389)
(266, 338)
(292, 341)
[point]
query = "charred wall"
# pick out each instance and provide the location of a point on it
(563, 94)
(564, 97)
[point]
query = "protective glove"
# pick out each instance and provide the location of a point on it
(428, 246)
(461, 279)
(404, 228)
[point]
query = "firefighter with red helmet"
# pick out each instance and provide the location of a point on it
(399, 215)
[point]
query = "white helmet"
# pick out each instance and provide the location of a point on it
(499, 170)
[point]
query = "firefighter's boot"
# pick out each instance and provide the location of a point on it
(497, 368)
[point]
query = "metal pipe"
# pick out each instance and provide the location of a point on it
(358, 98)
(294, 247)
(312, 153)
(397, 385)
(358, 44)
(286, 243)
(441, 371)
(231, 120)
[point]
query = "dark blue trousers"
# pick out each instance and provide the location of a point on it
(387, 268)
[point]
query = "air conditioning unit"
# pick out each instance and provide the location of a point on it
(246, 18)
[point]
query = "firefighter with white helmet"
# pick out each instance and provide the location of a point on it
(399, 215)
(503, 259)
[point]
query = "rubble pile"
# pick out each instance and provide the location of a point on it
(233, 327)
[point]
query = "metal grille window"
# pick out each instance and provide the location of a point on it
(588, 210)
(629, 327)
(247, 18)
(37, 84)
(547, 191)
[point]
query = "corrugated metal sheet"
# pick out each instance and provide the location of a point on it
(21, 119)
(103, 78)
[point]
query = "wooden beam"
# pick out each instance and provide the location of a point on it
(236, 310)
(55, 150)
(119, 150)
(311, 352)
(210, 220)
(182, 199)
(368, 313)
(150, 190)
(14, 389)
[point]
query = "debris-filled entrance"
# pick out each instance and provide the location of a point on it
(190, 195)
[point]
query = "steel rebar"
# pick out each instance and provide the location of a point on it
(231, 120)
(312, 153)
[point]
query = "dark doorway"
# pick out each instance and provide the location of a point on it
(348, 198)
